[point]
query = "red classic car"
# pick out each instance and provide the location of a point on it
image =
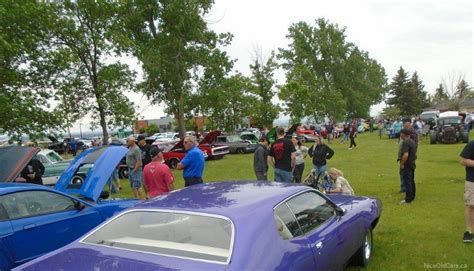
(174, 153)
(213, 151)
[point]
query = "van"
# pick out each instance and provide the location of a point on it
(430, 117)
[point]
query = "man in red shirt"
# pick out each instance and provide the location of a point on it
(157, 176)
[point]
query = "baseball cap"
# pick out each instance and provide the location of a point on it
(154, 151)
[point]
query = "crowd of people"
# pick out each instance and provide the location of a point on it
(286, 155)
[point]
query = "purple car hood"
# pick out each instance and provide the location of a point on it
(102, 162)
(79, 256)
(12, 161)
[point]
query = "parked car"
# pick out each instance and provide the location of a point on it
(235, 144)
(55, 165)
(213, 150)
(174, 155)
(36, 219)
(228, 226)
(430, 117)
(306, 138)
(64, 145)
(449, 130)
(249, 136)
(173, 137)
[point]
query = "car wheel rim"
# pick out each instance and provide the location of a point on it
(367, 246)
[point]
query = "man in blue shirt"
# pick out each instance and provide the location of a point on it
(193, 163)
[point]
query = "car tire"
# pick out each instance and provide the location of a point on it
(364, 253)
(465, 137)
(173, 163)
(123, 172)
(78, 179)
(240, 151)
(433, 138)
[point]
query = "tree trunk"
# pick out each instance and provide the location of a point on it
(180, 117)
(103, 124)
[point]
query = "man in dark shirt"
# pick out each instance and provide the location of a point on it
(467, 160)
(407, 165)
(33, 172)
(145, 148)
(260, 160)
(282, 156)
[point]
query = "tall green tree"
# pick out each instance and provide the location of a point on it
(263, 87)
(82, 35)
(326, 76)
(227, 104)
(420, 97)
(402, 93)
(24, 87)
(176, 49)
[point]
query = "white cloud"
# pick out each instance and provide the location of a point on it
(434, 38)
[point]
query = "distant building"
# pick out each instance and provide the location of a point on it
(165, 124)
(465, 106)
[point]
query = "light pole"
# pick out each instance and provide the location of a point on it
(80, 128)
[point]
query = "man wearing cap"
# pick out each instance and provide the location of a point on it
(282, 157)
(193, 163)
(145, 148)
(414, 137)
(133, 160)
(407, 165)
(157, 176)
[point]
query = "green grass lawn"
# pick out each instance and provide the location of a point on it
(408, 237)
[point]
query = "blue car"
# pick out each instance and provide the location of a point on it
(36, 219)
(228, 226)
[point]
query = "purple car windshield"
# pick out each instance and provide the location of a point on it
(184, 235)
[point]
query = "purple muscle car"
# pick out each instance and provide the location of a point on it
(228, 226)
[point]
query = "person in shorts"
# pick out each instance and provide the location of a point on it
(133, 160)
(467, 160)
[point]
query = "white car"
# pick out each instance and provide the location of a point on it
(168, 137)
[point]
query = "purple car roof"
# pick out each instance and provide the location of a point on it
(228, 198)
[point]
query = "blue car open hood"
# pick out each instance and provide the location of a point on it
(104, 161)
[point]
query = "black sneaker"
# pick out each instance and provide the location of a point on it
(467, 237)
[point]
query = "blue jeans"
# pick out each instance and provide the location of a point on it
(320, 169)
(283, 176)
(402, 183)
(409, 178)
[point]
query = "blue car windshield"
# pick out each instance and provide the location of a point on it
(194, 236)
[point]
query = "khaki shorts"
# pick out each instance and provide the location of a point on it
(469, 193)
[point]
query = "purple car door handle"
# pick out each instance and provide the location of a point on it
(29, 226)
